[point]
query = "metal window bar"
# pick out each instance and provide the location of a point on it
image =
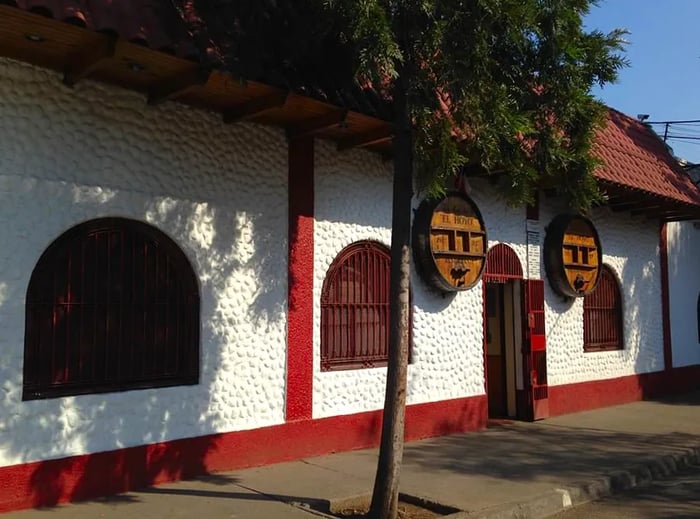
(355, 308)
(98, 312)
(502, 264)
(602, 315)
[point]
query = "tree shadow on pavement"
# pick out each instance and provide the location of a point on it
(533, 452)
(230, 487)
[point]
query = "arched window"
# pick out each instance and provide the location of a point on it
(112, 304)
(502, 263)
(602, 315)
(355, 308)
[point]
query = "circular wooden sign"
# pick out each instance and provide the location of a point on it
(573, 256)
(449, 242)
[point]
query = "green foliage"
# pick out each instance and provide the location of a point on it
(493, 86)
(515, 76)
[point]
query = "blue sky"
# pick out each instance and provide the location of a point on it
(663, 79)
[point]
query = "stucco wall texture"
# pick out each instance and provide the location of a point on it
(631, 250)
(448, 329)
(70, 155)
(220, 192)
(683, 240)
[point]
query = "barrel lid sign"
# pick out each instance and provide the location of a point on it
(449, 242)
(573, 256)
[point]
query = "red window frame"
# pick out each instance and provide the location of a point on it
(112, 305)
(602, 315)
(355, 308)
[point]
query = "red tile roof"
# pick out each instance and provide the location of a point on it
(636, 158)
(150, 23)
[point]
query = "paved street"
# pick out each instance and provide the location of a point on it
(676, 497)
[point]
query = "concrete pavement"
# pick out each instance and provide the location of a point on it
(510, 470)
(677, 496)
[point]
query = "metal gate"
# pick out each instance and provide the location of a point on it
(536, 348)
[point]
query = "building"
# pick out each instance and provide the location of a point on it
(176, 288)
(684, 288)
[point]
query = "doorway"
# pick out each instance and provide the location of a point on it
(503, 336)
(502, 355)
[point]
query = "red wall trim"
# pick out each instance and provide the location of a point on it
(583, 396)
(299, 394)
(665, 301)
(77, 478)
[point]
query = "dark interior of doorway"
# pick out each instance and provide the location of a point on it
(502, 347)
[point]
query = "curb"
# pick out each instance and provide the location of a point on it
(547, 504)
(558, 499)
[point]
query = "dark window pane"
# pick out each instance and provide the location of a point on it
(112, 305)
(602, 315)
(355, 308)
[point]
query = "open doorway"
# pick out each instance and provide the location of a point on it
(503, 337)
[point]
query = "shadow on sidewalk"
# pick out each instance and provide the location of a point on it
(529, 452)
(234, 490)
(692, 398)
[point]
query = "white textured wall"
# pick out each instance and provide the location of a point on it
(353, 194)
(684, 289)
(630, 248)
(219, 191)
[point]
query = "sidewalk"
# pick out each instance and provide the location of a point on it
(528, 468)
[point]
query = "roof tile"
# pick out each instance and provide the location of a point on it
(635, 157)
(140, 21)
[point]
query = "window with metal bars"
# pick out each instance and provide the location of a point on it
(355, 308)
(112, 305)
(602, 315)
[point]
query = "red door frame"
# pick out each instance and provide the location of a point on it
(502, 265)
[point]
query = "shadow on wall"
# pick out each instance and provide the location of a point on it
(227, 250)
(647, 338)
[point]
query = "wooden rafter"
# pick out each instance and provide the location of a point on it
(176, 84)
(634, 205)
(375, 136)
(249, 109)
(681, 217)
(651, 209)
(666, 215)
(311, 127)
(79, 52)
(82, 62)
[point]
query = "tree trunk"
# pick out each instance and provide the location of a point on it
(386, 484)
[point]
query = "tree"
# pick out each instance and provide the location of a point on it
(486, 86)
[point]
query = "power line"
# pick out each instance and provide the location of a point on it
(683, 137)
(690, 121)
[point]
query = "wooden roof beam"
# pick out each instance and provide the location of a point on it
(375, 136)
(249, 109)
(665, 215)
(85, 60)
(681, 218)
(634, 205)
(179, 83)
(650, 210)
(311, 127)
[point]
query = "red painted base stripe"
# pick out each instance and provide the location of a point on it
(77, 478)
(583, 396)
